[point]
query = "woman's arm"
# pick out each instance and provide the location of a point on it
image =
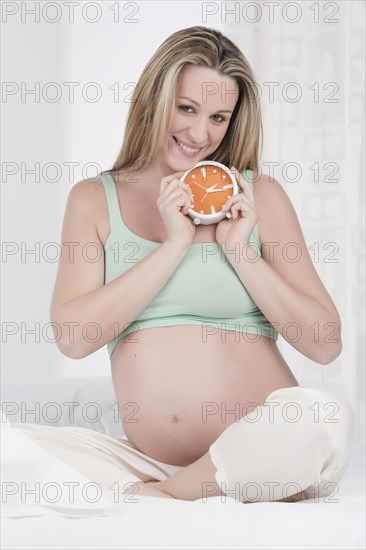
(284, 283)
(80, 297)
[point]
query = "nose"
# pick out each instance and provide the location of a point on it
(198, 131)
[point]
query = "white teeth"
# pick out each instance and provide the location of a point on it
(187, 149)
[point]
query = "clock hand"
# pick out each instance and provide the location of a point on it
(207, 189)
(213, 190)
(202, 187)
(223, 189)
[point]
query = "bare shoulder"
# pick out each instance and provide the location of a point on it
(87, 201)
(272, 204)
(266, 189)
(86, 194)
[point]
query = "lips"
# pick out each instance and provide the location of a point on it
(187, 148)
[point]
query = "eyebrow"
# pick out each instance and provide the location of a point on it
(198, 105)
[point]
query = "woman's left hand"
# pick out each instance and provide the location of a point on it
(244, 217)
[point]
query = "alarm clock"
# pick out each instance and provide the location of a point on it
(211, 184)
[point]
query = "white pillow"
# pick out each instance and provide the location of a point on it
(84, 402)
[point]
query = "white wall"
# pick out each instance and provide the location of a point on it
(34, 133)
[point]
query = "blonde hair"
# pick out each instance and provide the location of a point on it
(153, 100)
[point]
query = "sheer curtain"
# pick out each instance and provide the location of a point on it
(308, 59)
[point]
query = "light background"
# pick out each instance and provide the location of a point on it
(312, 47)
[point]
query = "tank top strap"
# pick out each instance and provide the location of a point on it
(112, 200)
(248, 176)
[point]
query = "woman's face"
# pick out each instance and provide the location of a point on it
(204, 103)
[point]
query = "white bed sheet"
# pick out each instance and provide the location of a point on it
(163, 523)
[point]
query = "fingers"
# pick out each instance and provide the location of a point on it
(243, 184)
(237, 203)
(176, 189)
(240, 198)
(183, 186)
(238, 207)
(180, 197)
(168, 179)
(170, 183)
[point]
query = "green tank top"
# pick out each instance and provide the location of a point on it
(204, 289)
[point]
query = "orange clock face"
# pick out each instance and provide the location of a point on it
(211, 186)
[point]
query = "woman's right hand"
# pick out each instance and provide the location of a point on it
(173, 202)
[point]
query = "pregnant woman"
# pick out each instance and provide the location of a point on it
(191, 314)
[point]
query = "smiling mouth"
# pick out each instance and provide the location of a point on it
(185, 148)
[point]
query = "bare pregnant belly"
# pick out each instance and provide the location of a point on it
(177, 393)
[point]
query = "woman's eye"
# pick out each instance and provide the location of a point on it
(219, 119)
(182, 107)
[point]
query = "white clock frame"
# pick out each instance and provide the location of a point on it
(208, 219)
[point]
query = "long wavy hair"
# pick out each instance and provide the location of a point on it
(153, 100)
